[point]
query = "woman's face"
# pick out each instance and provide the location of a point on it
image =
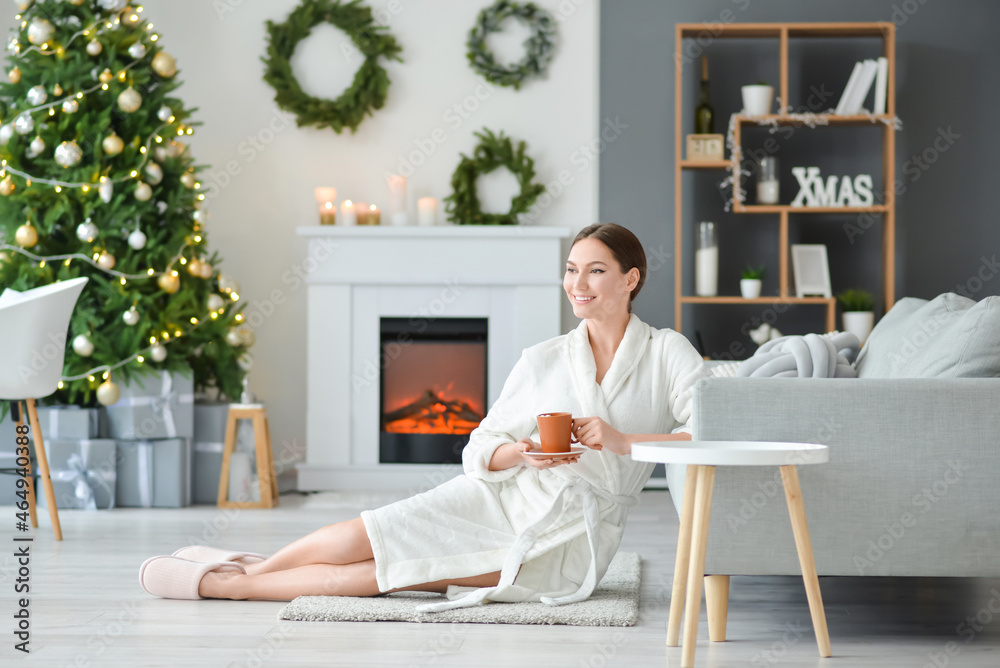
(594, 281)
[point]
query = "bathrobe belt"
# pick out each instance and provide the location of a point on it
(526, 539)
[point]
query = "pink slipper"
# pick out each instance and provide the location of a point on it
(207, 554)
(171, 577)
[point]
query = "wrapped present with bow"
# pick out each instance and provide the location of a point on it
(68, 422)
(154, 473)
(160, 405)
(83, 473)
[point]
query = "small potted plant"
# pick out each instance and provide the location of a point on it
(751, 281)
(858, 312)
(757, 98)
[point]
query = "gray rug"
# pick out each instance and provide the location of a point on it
(615, 602)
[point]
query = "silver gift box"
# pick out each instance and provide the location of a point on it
(154, 473)
(153, 407)
(83, 473)
(67, 422)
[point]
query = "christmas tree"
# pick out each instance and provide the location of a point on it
(97, 181)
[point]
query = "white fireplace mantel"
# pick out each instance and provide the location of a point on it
(509, 275)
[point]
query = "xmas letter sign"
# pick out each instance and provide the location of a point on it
(814, 192)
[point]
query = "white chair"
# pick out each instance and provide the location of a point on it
(33, 330)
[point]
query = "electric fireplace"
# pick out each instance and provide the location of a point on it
(433, 388)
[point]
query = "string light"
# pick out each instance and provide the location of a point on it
(85, 258)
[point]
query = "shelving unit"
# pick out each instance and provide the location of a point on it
(886, 210)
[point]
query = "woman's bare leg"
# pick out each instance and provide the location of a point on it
(341, 543)
(353, 579)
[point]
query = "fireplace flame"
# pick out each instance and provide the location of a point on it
(434, 413)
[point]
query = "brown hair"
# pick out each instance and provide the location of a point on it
(624, 246)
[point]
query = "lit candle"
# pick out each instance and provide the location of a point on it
(361, 211)
(348, 216)
(327, 211)
(397, 199)
(427, 210)
(374, 215)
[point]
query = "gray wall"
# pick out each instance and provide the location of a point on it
(948, 67)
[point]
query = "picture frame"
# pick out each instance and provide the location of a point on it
(811, 270)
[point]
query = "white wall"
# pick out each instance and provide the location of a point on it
(266, 168)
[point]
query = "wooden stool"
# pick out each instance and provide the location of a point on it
(265, 461)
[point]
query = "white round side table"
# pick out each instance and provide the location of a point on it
(702, 457)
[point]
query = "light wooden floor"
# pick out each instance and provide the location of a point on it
(87, 608)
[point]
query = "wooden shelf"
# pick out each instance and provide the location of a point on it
(785, 208)
(781, 34)
(758, 300)
(704, 164)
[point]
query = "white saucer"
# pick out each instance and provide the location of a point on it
(573, 450)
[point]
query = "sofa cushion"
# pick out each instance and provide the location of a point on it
(949, 336)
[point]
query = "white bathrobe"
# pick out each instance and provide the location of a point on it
(552, 533)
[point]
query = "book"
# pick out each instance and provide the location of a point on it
(881, 86)
(862, 86)
(842, 105)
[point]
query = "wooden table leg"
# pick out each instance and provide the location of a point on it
(696, 567)
(717, 606)
(683, 557)
(797, 511)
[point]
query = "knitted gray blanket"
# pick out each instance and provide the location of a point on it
(808, 356)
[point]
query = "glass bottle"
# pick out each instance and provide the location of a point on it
(767, 181)
(706, 261)
(704, 115)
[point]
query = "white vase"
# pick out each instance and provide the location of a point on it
(757, 99)
(750, 287)
(859, 323)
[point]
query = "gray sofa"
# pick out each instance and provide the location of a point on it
(912, 487)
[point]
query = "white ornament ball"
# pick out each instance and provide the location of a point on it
(201, 216)
(106, 261)
(164, 64)
(137, 240)
(108, 393)
(36, 147)
(112, 5)
(161, 154)
(233, 338)
(68, 153)
(26, 236)
(215, 302)
(86, 231)
(206, 270)
(137, 50)
(143, 191)
(176, 149)
(113, 144)
(158, 352)
(83, 346)
(130, 100)
(37, 95)
(154, 173)
(164, 114)
(228, 284)
(247, 336)
(245, 361)
(70, 106)
(40, 31)
(107, 191)
(131, 317)
(24, 124)
(6, 133)
(94, 47)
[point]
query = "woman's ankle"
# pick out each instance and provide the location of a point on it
(220, 585)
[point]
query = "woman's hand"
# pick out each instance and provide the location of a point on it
(597, 434)
(526, 444)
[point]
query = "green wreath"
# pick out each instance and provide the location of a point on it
(539, 46)
(492, 152)
(368, 90)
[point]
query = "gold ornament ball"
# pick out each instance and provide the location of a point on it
(233, 338)
(188, 179)
(130, 17)
(26, 236)
(130, 100)
(7, 186)
(94, 47)
(77, 2)
(143, 192)
(4, 257)
(112, 144)
(206, 270)
(247, 337)
(108, 393)
(57, 90)
(194, 267)
(106, 76)
(169, 283)
(14, 75)
(164, 64)
(106, 261)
